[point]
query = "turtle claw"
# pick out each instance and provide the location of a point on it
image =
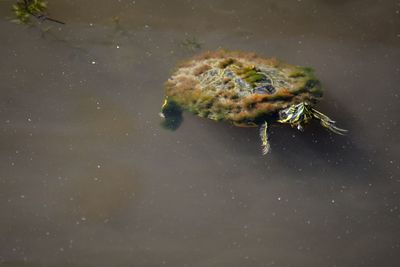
(328, 123)
(300, 128)
(337, 130)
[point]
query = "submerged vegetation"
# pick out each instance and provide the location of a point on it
(25, 9)
(191, 44)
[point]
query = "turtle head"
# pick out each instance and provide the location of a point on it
(172, 114)
(298, 115)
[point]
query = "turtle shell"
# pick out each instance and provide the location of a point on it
(242, 88)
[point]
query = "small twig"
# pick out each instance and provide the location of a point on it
(43, 17)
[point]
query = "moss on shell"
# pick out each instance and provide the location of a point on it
(216, 95)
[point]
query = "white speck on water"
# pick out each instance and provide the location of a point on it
(117, 46)
(22, 196)
(98, 166)
(93, 62)
(333, 201)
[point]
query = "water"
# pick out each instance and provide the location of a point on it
(89, 178)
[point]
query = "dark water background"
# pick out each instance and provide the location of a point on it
(88, 177)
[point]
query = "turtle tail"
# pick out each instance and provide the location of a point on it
(327, 122)
(264, 138)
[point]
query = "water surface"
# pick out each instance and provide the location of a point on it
(89, 178)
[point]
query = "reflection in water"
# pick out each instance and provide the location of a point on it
(89, 178)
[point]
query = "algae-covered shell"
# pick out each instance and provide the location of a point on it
(240, 87)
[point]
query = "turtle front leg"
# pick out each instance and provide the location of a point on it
(172, 114)
(328, 123)
(264, 138)
(300, 114)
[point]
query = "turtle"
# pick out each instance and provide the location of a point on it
(246, 90)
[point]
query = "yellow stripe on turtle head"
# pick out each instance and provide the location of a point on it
(165, 103)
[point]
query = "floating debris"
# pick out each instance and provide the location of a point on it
(25, 9)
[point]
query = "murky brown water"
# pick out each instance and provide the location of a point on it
(88, 177)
